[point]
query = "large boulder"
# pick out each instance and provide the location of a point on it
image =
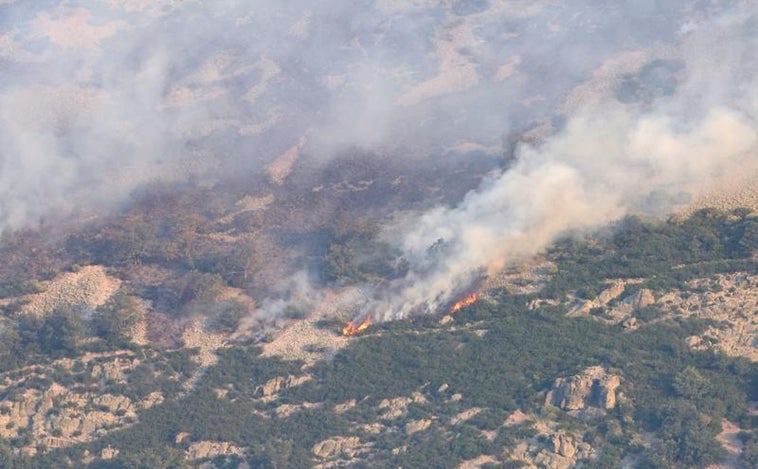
(562, 444)
(212, 449)
(594, 387)
(278, 384)
(601, 301)
(415, 426)
(338, 446)
(642, 299)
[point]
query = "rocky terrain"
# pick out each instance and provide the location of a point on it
(50, 415)
(300, 371)
(87, 287)
(588, 395)
(394, 233)
(730, 301)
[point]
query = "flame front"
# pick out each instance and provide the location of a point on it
(466, 301)
(351, 329)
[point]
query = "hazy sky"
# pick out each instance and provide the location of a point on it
(96, 97)
(641, 103)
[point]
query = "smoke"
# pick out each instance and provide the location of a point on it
(597, 170)
(643, 104)
(609, 160)
(97, 98)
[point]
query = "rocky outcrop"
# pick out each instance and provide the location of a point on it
(285, 410)
(53, 416)
(479, 462)
(415, 426)
(280, 168)
(611, 293)
(730, 300)
(594, 387)
(196, 336)
(465, 415)
(345, 406)
(154, 398)
(605, 297)
(621, 312)
(108, 452)
(562, 444)
(115, 369)
(114, 403)
(275, 385)
(396, 407)
(66, 416)
(339, 446)
(552, 449)
(88, 287)
(641, 299)
(523, 278)
(211, 449)
(549, 460)
(304, 340)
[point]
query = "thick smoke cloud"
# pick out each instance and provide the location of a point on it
(98, 97)
(642, 103)
(611, 159)
(563, 187)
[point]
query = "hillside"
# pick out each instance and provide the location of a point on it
(378, 233)
(604, 353)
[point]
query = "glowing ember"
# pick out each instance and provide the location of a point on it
(351, 329)
(466, 301)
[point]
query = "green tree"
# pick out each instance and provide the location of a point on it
(750, 449)
(114, 320)
(687, 438)
(165, 457)
(691, 384)
(60, 332)
(229, 316)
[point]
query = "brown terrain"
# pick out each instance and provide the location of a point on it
(54, 415)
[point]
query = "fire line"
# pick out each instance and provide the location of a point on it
(466, 301)
(352, 329)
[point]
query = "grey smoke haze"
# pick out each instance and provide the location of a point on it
(611, 159)
(659, 97)
(98, 97)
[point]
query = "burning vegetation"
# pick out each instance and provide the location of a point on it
(352, 329)
(468, 300)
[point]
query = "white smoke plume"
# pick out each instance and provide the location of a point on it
(99, 97)
(608, 161)
(561, 187)
(659, 98)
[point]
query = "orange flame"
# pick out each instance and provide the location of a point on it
(351, 329)
(466, 301)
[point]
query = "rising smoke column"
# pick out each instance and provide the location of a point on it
(609, 160)
(97, 98)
